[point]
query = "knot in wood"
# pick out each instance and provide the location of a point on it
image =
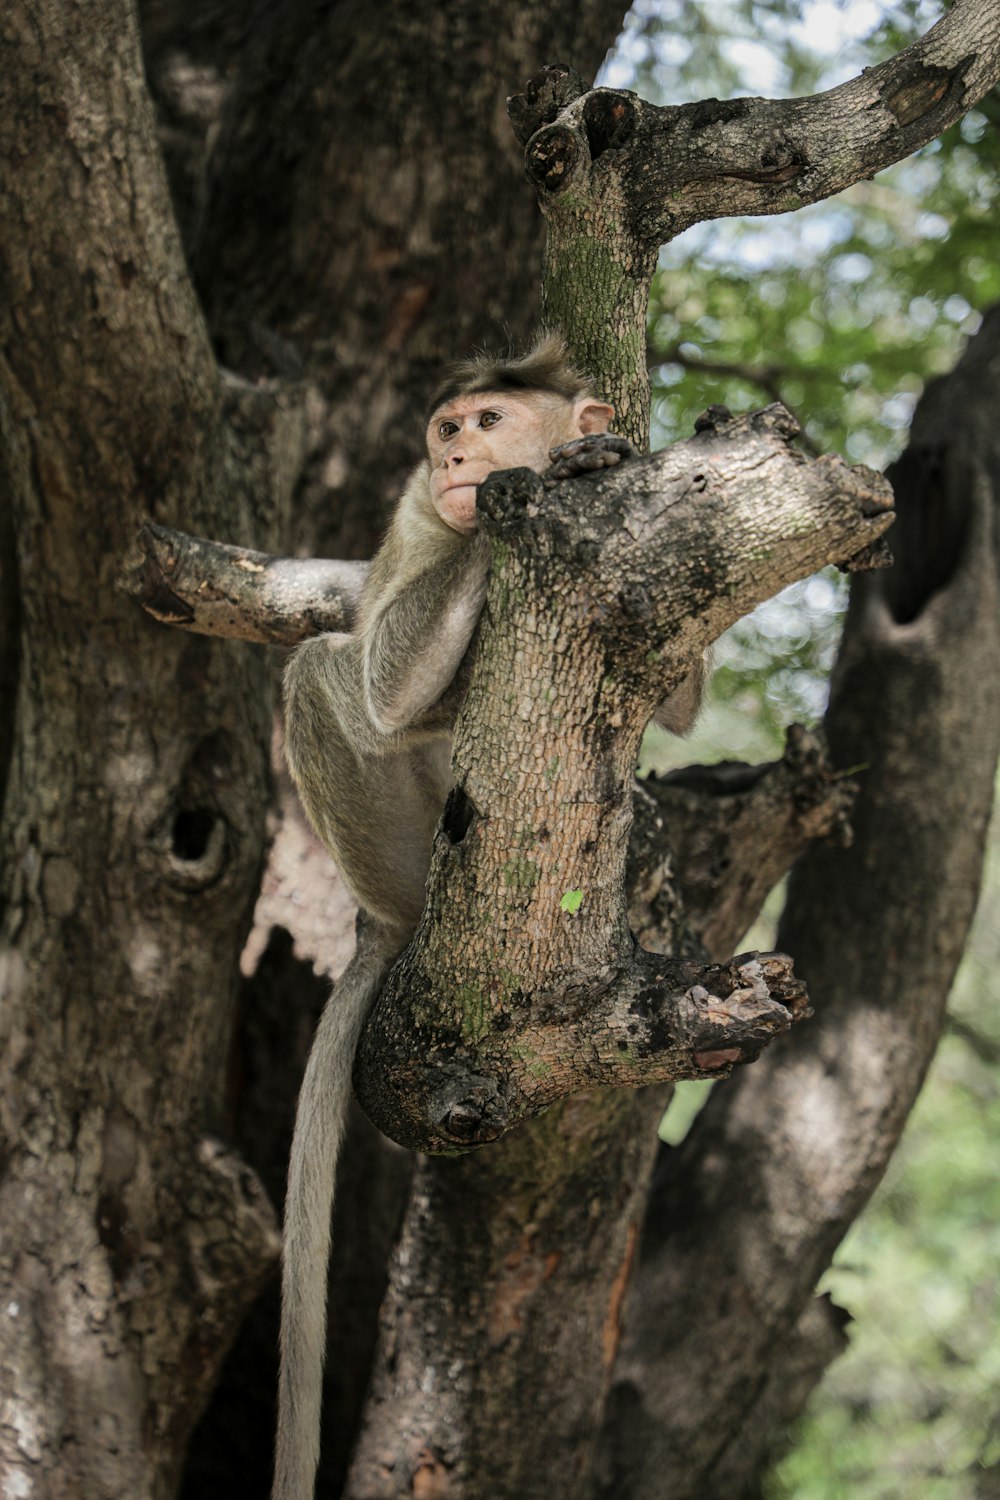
(609, 120)
(920, 93)
(545, 95)
(775, 418)
(551, 158)
(782, 164)
(706, 112)
(503, 500)
(636, 601)
(712, 418)
(478, 1117)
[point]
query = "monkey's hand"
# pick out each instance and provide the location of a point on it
(598, 450)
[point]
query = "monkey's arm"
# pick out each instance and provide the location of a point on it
(415, 644)
(413, 647)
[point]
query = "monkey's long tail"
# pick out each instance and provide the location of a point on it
(319, 1131)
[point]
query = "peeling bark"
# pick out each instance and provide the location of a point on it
(213, 589)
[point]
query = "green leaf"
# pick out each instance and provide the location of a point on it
(571, 901)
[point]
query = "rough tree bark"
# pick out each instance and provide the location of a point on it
(601, 593)
(133, 830)
(132, 1237)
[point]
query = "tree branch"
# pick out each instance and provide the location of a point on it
(732, 832)
(617, 177)
(631, 573)
(133, 823)
(692, 162)
(212, 588)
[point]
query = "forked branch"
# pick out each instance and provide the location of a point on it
(523, 983)
(618, 177)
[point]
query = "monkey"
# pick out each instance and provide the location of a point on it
(368, 721)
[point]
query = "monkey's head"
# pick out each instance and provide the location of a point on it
(504, 414)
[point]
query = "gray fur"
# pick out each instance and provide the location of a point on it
(368, 721)
(678, 712)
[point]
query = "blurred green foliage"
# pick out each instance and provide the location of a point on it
(842, 311)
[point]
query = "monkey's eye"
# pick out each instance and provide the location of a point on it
(489, 419)
(447, 430)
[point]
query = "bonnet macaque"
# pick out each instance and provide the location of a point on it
(368, 740)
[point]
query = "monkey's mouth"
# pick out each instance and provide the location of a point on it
(467, 484)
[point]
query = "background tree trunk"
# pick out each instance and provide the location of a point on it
(784, 1157)
(132, 1238)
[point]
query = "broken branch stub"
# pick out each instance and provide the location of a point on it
(213, 588)
(523, 982)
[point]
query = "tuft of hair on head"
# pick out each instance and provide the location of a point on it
(546, 366)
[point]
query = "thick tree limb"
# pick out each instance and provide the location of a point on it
(692, 162)
(130, 1239)
(664, 1019)
(602, 592)
(732, 832)
(517, 1257)
(618, 177)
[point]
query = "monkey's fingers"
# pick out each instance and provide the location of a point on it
(592, 442)
(584, 463)
(598, 450)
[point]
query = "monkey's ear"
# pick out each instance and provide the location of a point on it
(593, 416)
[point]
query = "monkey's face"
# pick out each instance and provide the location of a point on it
(475, 435)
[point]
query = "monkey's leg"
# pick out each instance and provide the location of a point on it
(678, 712)
(374, 800)
(383, 829)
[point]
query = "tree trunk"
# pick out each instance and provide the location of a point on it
(783, 1159)
(132, 1238)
